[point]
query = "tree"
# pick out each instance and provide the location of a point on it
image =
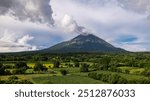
(104, 63)
(39, 67)
(56, 64)
(64, 72)
(76, 64)
(2, 69)
(21, 65)
(84, 68)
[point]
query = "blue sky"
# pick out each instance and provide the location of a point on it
(27, 25)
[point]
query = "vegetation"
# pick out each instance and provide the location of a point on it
(64, 72)
(84, 68)
(112, 68)
(40, 67)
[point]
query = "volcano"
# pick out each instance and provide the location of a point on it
(84, 43)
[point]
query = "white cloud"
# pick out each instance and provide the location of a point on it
(108, 18)
(12, 41)
(25, 24)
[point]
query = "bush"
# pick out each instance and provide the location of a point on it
(64, 72)
(2, 71)
(13, 78)
(108, 77)
(25, 82)
(76, 64)
(84, 68)
(19, 71)
(21, 65)
(127, 71)
(122, 80)
(114, 78)
(93, 75)
(146, 72)
(39, 67)
(56, 64)
(7, 72)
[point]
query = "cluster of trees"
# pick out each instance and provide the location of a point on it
(114, 78)
(84, 67)
(39, 67)
(20, 68)
(109, 78)
(3, 70)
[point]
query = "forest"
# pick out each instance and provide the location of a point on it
(75, 68)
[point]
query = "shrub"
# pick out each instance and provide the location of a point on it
(127, 71)
(64, 72)
(2, 71)
(146, 72)
(76, 64)
(21, 65)
(19, 71)
(93, 75)
(122, 80)
(56, 64)
(84, 68)
(13, 78)
(39, 67)
(114, 78)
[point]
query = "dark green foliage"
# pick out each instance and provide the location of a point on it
(64, 72)
(21, 65)
(56, 64)
(13, 78)
(20, 68)
(19, 71)
(84, 68)
(7, 72)
(109, 78)
(76, 64)
(1, 65)
(122, 80)
(94, 76)
(39, 67)
(2, 69)
(146, 72)
(127, 71)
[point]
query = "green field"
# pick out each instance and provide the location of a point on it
(74, 77)
(81, 68)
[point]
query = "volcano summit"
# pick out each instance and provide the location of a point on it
(84, 43)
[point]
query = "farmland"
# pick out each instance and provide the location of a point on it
(81, 68)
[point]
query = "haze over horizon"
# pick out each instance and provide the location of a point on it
(27, 25)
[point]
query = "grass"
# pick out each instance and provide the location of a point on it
(69, 79)
(133, 70)
(53, 76)
(74, 77)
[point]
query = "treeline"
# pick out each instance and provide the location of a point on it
(114, 78)
(141, 60)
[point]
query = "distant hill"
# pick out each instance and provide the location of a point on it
(83, 43)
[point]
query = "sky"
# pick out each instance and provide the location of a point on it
(27, 25)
